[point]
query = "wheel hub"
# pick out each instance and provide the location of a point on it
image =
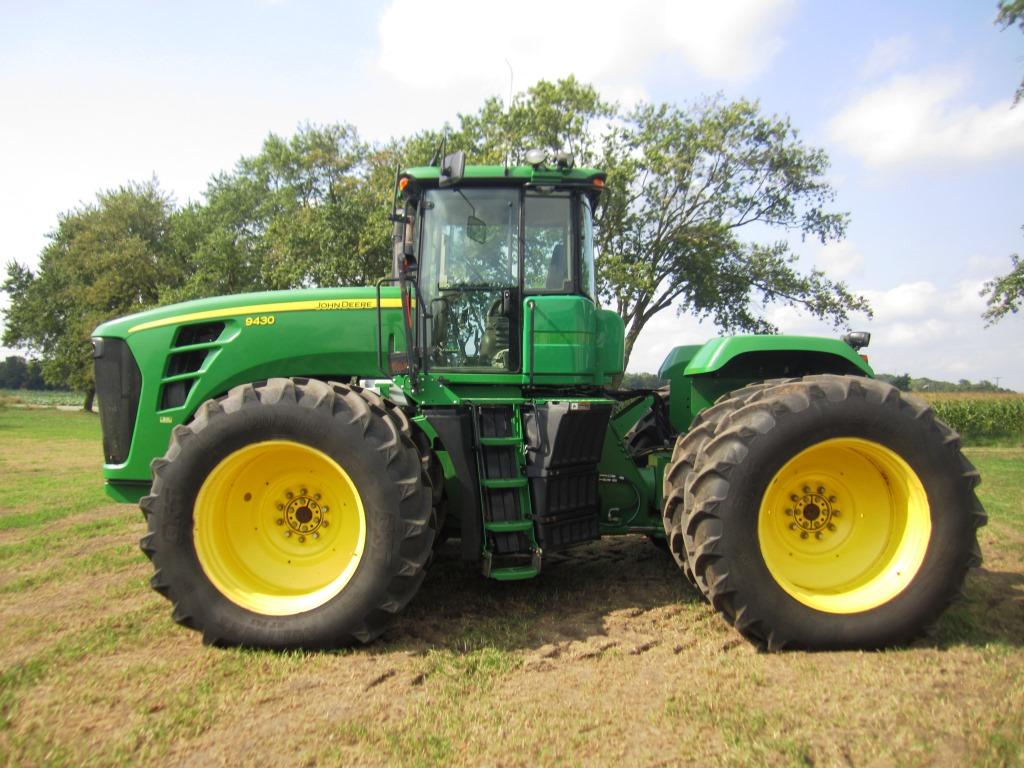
(304, 514)
(813, 511)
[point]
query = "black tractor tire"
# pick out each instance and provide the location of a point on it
(687, 450)
(433, 474)
(886, 569)
(378, 461)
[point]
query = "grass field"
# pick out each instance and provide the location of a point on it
(607, 659)
(41, 397)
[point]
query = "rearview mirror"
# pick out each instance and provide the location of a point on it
(476, 230)
(452, 168)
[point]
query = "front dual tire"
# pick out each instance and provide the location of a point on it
(290, 513)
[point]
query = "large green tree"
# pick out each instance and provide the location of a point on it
(109, 258)
(308, 210)
(701, 202)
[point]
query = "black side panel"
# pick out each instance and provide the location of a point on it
(565, 435)
(118, 384)
(565, 442)
(455, 428)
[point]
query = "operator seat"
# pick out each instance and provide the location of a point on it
(558, 275)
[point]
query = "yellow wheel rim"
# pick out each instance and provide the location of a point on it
(844, 525)
(279, 527)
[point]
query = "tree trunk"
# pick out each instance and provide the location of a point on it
(90, 395)
(632, 332)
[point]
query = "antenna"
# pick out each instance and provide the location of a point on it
(508, 110)
(439, 151)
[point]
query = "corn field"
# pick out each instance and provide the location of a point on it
(979, 415)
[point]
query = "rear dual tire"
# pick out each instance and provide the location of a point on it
(828, 512)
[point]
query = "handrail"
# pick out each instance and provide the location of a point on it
(380, 327)
(532, 305)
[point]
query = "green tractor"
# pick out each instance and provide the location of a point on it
(298, 455)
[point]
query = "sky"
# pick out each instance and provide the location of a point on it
(911, 101)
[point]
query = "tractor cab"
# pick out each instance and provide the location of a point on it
(486, 247)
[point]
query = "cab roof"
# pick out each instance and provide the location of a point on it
(514, 174)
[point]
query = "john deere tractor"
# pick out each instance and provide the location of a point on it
(298, 455)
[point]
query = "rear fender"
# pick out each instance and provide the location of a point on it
(700, 374)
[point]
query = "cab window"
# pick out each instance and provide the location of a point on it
(548, 262)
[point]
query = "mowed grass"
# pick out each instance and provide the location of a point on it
(607, 659)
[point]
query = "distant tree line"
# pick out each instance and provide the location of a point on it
(699, 205)
(18, 373)
(907, 383)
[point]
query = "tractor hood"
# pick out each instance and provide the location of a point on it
(241, 305)
(155, 368)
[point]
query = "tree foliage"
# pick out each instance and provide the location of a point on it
(1010, 13)
(106, 259)
(18, 373)
(701, 206)
(309, 210)
(1005, 293)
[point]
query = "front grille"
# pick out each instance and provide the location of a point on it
(118, 385)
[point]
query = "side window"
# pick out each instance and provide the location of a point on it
(588, 277)
(548, 245)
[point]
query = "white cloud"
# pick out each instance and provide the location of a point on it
(919, 327)
(918, 119)
(840, 260)
(605, 42)
(888, 54)
(662, 334)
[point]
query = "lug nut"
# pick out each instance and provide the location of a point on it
(287, 534)
(325, 508)
(316, 535)
(794, 497)
(821, 490)
(818, 535)
(302, 539)
(324, 523)
(831, 526)
(279, 521)
(835, 513)
(803, 534)
(832, 499)
(280, 507)
(789, 513)
(316, 496)
(807, 489)
(289, 495)
(303, 492)
(792, 526)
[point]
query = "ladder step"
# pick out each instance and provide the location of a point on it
(514, 573)
(509, 526)
(500, 440)
(512, 482)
